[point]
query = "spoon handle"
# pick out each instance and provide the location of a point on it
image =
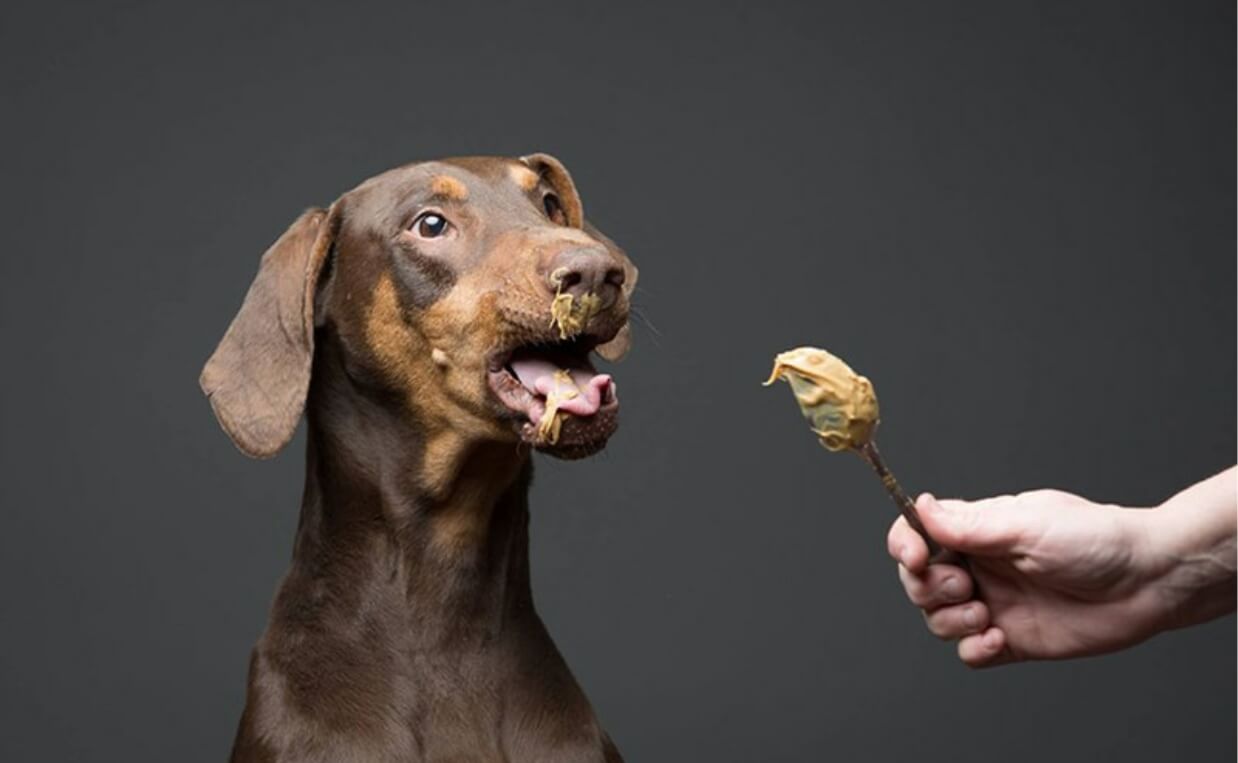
(906, 506)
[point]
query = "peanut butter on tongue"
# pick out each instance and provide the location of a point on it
(839, 403)
(564, 389)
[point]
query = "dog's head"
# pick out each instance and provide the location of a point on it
(461, 292)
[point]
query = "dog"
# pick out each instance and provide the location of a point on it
(414, 323)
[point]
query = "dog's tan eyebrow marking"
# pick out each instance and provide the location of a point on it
(524, 177)
(449, 188)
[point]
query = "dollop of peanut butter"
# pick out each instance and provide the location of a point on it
(840, 404)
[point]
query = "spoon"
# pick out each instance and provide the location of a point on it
(841, 407)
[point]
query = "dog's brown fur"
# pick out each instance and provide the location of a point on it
(405, 629)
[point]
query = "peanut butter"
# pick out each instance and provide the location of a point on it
(568, 313)
(840, 404)
(551, 421)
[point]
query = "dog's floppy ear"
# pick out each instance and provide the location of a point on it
(554, 173)
(259, 375)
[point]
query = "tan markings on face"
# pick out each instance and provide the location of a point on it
(446, 185)
(449, 401)
(465, 320)
(402, 354)
(387, 334)
(523, 177)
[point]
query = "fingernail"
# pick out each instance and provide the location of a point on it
(952, 587)
(991, 641)
(971, 617)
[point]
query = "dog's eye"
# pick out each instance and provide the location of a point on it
(431, 225)
(554, 210)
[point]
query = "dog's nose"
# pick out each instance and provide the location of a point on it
(588, 270)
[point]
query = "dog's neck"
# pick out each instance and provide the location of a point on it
(449, 552)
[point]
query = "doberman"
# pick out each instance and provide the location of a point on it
(412, 322)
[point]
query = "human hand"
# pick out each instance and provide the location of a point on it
(1052, 575)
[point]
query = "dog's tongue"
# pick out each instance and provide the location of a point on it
(539, 376)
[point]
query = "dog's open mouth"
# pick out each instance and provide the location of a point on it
(563, 405)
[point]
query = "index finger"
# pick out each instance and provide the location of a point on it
(907, 547)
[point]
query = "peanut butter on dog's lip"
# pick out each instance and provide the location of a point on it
(840, 404)
(571, 315)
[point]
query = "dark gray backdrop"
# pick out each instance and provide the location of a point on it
(1017, 218)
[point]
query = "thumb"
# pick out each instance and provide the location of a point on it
(985, 527)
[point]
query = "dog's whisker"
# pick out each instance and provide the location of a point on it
(640, 314)
(654, 334)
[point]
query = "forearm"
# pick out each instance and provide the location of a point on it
(1192, 537)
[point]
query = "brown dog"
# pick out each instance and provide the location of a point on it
(412, 321)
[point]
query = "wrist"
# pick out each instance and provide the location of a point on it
(1187, 553)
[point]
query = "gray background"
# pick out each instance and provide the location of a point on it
(1017, 218)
